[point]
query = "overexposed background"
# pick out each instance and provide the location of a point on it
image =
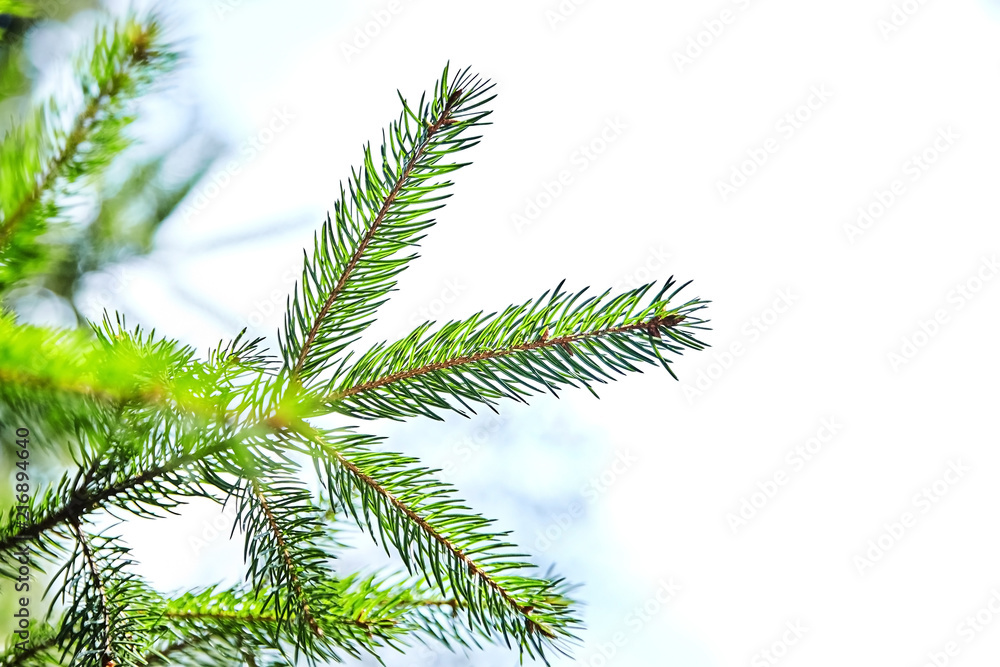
(820, 487)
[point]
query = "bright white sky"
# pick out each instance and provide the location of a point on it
(815, 304)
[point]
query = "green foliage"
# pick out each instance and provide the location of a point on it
(537, 346)
(47, 157)
(129, 215)
(149, 425)
(384, 210)
(17, 8)
(393, 498)
(106, 610)
(123, 206)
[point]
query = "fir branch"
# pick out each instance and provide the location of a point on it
(271, 619)
(434, 533)
(290, 565)
(150, 426)
(58, 163)
(102, 595)
(363, 614)
(138, 456)
(564, 342)
(122, 366)
(286, 548)
(537, 346)
(353, 265)
(107, 618)
(67, 503)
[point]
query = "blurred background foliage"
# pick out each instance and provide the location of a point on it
(120, 214)
(117, 216)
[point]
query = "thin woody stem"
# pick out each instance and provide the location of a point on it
(287, 557)
(652, 327)
(267, 619)
(98, 583)
(419, 153)
(474, 569)
(83, 502)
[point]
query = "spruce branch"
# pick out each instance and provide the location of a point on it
(540, 345)
(69, 371)
(364, 614)
(288, 551)
(150, 426)
(172, 421)
(353, 265)
(435, 534)
(106, 620)
(134, 488)
(292, 553)
(103, 613)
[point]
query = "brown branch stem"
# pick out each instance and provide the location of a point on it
(98, 583)
(82, 502)
(474, 569)
(651, 326)
(432, 129)
(287, 557)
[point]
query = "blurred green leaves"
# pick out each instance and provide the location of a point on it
(75, 199)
